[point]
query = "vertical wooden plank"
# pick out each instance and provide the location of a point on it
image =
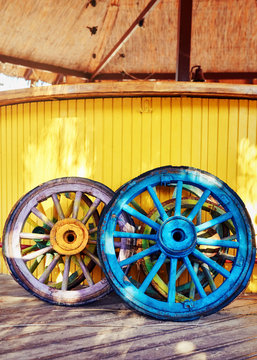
(186, 129)
(232, 144)
(108, 141)
(35, 155)
(243, 143)
(9, 155)
(117, 143)
(252, 123)
(176, 132)
(98, 139)
(127, 141)
(196, 132)
(80, 145)
(156, 132)
(136, 154)
(222, 147)
(204, 145)
(89, 136)
(212, 136)
(48, 135)
(164, 125)
(3, 184)
(14, 160)
(20, 149)
(146, 109)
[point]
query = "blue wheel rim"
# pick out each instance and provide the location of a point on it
(175, 240)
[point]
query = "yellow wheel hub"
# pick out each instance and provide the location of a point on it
(69, 237)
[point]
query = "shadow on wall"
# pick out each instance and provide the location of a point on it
(60, 151)
(247, 178)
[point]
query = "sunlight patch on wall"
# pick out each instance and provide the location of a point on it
(247, 178)
(59, 151)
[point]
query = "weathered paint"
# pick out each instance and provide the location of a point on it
(174, 237)
(114, 139)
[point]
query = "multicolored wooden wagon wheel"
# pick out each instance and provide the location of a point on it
(179, 240)
(50, 239)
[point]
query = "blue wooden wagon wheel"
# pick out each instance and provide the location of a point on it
(177, 240)
(219, 254)
(50, 240)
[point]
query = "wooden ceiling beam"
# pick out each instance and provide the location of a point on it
(124, 38)
(184, 40)
(27, 74)
(42, 66)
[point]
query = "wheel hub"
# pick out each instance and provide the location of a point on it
(177, 236)
(69, 237)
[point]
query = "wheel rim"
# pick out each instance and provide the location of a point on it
(50, 241)
(182, 248)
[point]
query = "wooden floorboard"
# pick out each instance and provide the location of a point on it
(32, 329)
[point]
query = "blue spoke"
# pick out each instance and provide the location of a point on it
(194, 277)
(139, 255)
(180, 271)
(157, 203)
(199, 205)
(217, 242)
(141, 217)
(211, 263)
(208, 276)
(192, 285)
(218, 220)
(121, 234)
(172, 280)
(178, 198)
(153, 272)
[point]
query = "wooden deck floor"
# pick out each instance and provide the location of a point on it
(32, 329)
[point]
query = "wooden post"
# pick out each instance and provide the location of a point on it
(184, 40)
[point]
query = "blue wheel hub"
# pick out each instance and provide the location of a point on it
(177, 237)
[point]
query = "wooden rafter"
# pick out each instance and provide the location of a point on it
(124, 38)
(184, 40)
(43, 66)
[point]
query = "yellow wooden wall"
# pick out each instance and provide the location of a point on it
(114, 140)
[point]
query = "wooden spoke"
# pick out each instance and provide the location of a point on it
(199, 205)
(92, 257)
(90, 211)
(172, 280)
(157, 203)
(152, 273)
(215, 221)
(121, 234)
(42, 217)
(208, 276)
(139, 255)
(43, 278)
(141, 217)
(194, 277)
(66, 272)
(34, 236)
(76, 204)
(37, 253)
(36, 263)
(192, 285)
(85, 270)
(58, 206)
(211, 263)
(178, 198)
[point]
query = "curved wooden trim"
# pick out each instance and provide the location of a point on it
(128, 88)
